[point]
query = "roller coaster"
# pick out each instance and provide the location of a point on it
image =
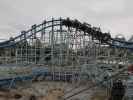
(66, 50)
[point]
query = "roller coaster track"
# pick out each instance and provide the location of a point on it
(88, 30)
(104, 38)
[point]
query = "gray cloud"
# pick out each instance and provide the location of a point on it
(115, 16)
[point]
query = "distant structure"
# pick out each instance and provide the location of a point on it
(131, 39)
(120, 37)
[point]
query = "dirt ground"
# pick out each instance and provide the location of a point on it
(99, 96)
(49, 91)
(53, 94)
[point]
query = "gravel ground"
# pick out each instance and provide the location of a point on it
(51, 91)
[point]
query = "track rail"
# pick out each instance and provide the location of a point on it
(86, 28)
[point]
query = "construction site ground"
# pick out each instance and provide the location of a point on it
(51, 90)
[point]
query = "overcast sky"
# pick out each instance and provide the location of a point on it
(115, 16)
